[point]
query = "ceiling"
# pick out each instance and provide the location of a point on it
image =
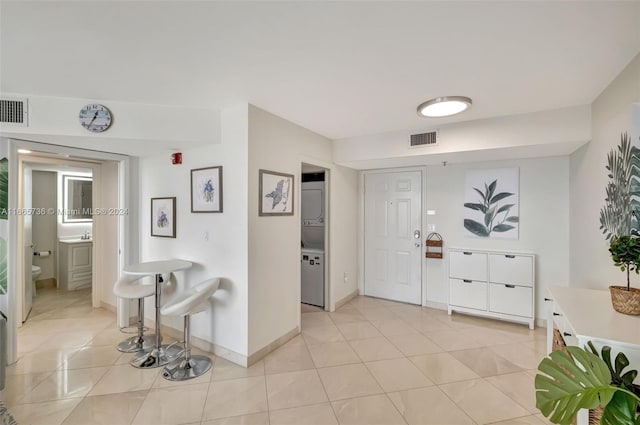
(341, 69)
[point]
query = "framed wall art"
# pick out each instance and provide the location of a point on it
(276, 193)
(163, 217)
(491, 203)
(206, 190)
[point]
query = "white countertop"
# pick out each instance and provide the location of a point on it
(75, 240)
(157, 267)
(590, 314)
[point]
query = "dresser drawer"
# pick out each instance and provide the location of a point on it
(511, 269)
(468, 293)
(511, 299)
(468, 265)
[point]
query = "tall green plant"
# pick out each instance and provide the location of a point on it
(496, 218)
(582, 380)
(619, 216)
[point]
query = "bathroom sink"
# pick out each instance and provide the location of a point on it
(75, 240)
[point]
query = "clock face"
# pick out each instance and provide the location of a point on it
(95, 117)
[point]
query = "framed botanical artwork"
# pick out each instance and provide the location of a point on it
(163, 217)
(491, 207)
(206, 190)
(276, 193)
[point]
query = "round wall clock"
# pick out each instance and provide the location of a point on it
(95, 117)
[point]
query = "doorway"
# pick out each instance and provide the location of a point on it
(58, 235)
(314, 231)
(393, 235)
(109, 231)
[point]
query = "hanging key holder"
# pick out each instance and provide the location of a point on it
(434, 245)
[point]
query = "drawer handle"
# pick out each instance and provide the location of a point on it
(467, 253)
(509, 286)
(556, 314)
(466, 281)
(509, 256)
(566, 334)
(548, 299)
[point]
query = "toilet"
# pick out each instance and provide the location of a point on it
(35, 274)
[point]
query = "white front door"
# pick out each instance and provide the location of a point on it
(392, 236)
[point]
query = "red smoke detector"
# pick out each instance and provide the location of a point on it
(176, 158)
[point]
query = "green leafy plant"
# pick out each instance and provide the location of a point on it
(619, 377)
(582, 380)
(625, 252)
(4, 188)
(496, 218)
(619, 216)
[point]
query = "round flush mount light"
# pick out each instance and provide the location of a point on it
(444, 106)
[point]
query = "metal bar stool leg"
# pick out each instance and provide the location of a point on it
(139, 342)
(188, 366)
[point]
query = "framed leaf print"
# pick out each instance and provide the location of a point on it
(206, 190)
(276, 193)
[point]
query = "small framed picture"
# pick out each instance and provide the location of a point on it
(206, 190)
(163, 217)
(276, 193)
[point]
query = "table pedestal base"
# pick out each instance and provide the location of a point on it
(156, 357)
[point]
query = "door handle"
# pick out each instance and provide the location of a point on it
(417, 245)
(416, 234)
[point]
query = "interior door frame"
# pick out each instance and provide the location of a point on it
(423, 225)
(329, 302)
(15, 257)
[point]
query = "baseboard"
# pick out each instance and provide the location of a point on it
(108, 307)
(46, 283)
(342, 301)
(209, 347)
(433, 304)
(253, 358)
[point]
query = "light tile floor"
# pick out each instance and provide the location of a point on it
(371, 362)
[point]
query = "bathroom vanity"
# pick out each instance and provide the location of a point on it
(75, 263)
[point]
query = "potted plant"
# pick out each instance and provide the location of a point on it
(579, 379)
(619, 221)
(625, 252)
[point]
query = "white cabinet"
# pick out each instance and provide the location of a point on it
(75, 264)
(500, 285)
(581, 315)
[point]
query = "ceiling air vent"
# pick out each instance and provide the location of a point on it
(424, 139)
(14, 112)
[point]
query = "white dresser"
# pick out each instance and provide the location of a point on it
(500, 285)
(583, 315)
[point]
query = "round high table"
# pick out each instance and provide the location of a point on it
(157, 355)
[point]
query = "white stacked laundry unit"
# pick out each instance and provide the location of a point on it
(312, 255)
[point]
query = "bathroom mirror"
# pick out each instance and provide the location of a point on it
(77, 195)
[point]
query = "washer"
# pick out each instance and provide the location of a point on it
(312, 279)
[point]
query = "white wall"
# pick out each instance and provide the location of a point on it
(590, 264)
(45, 231)
(274, 242)
(136, 129)
(225, 253)
(547, 133)
(544, 221)
(105, 227)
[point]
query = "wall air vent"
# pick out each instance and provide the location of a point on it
(423, 139)
(14, 112)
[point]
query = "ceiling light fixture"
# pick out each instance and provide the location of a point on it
(24, 151)
(444, 106)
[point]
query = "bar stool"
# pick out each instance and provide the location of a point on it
(195, 300)
(129, 287)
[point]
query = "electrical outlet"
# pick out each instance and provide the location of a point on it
(205, 235)
(346, 277)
